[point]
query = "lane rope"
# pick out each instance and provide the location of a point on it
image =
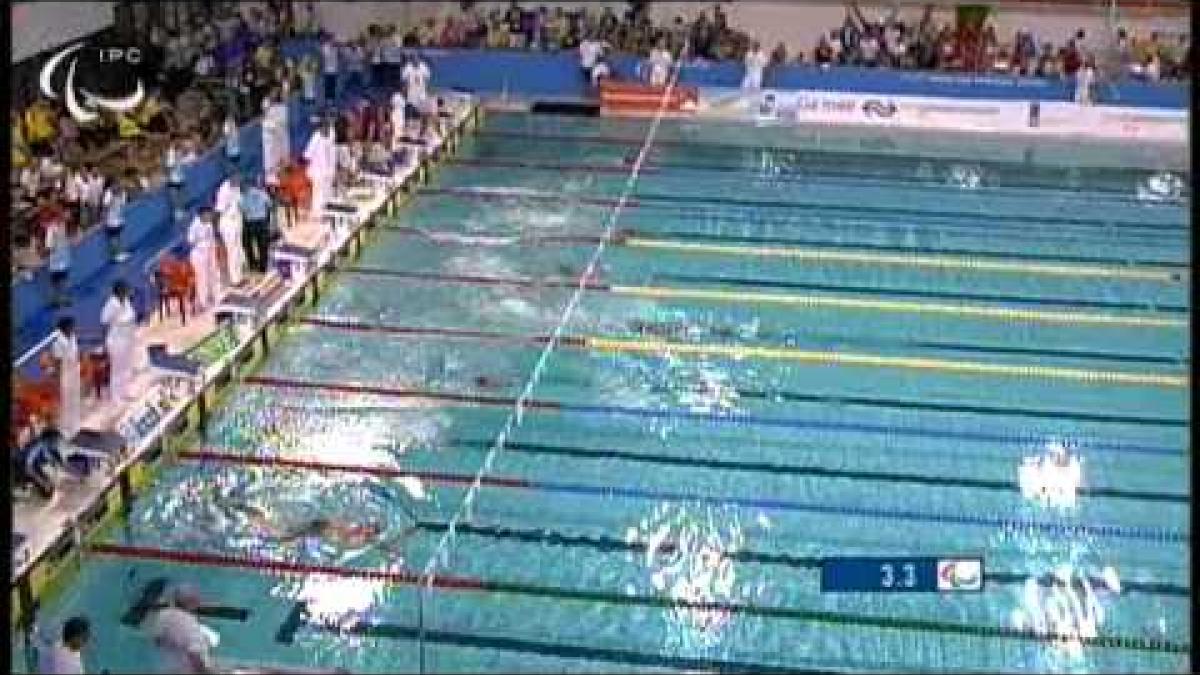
(269, 566)
(1106, 377)
(1158, 535)
(722, 418)
(977, 311)
(914, 260)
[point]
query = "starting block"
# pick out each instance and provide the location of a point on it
(293, 261)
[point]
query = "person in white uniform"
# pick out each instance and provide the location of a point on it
(589, 53)
(229, 224)
(184, 644)
(64, 348)
(201, 237)
(1085, 82)
(321, 154)
(274, 136)
(398, 121)
(660, 64)
(756, 63)
(65, 656)
(416, 81)
(120, 339)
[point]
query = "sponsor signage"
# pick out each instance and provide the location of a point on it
(836, 108)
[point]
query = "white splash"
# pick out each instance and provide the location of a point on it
(1052, 479)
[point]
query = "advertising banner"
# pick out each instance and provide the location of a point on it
(850, 109)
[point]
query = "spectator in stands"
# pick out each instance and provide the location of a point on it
(779, 56)
(329, 64)
(823, 55)
(40, 127)
(25, 256)
(116, 195)
(64, 365)
(756, 63)
(52, 221)
(92, 195)
(1072, 59)
(120, 340)
(21, 155)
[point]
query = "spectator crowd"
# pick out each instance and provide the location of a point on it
(220, 69)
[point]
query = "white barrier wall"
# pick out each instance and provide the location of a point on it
(796, 23)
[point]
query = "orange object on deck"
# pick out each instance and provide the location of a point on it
(637, 98)
(296, 187)
(176, 281)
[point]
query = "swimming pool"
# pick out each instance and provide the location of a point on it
(789, 352)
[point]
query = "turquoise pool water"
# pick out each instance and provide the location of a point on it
(664, 502)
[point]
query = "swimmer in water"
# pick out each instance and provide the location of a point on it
(339, 533)
(486, 382)
(661, 329)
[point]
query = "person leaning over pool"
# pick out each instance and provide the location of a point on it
(65, 656)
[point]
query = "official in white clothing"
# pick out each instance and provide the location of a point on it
(65, 656)
(185, 645)
(321, 154)
(660, 64)
(120, 339)
(275, 136)
(416, 81)
(229, 226)
(202, 239)
(64, 349)
(756, 63)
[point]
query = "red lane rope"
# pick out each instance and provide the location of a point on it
(355, 326)
(392, 392)
(285, 567)
(622, 169)
(275, 461)
(477, 279)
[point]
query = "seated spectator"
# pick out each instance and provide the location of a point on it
(1047, 62)
(26, 258)
(1072, 59)
(779, 55)
(39, 128)
(824, 55)
(20, 149)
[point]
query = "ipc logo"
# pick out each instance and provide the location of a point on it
(89, 74)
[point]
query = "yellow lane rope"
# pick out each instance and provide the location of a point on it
(916, 260)
(998, 313)
(879, 361)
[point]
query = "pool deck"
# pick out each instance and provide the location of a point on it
(52, 530)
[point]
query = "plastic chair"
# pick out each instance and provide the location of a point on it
(175, 280)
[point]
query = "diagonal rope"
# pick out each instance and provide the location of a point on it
(516, 415)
